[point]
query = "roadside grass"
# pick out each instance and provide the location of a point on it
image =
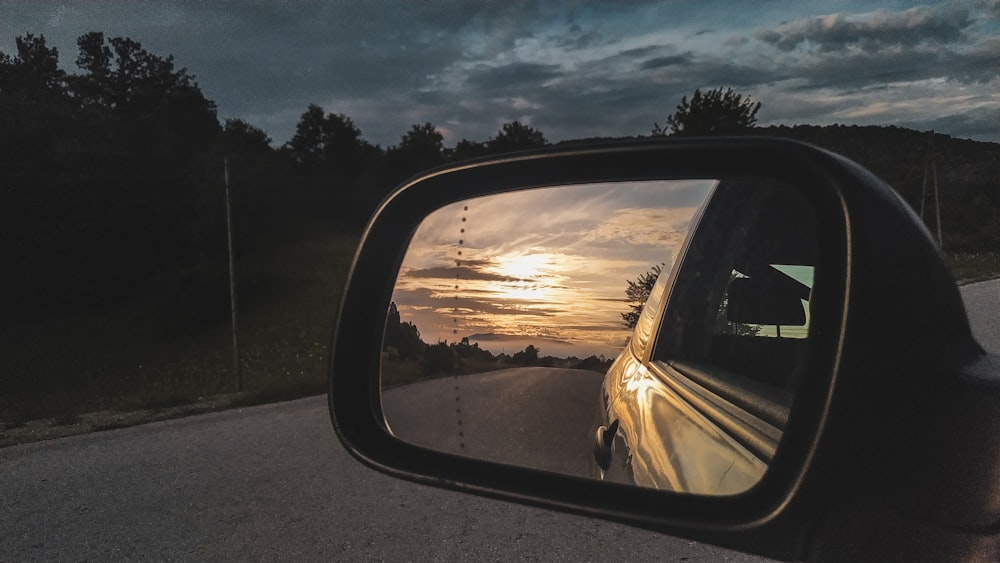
(142, 353)
(970, 268)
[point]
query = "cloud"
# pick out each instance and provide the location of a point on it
(975, 123)
(457, 273)
(514, 76)
(572, 70)
(665, 227)
(491, 337)
(660, 62)
(835, 32)
(546, 261)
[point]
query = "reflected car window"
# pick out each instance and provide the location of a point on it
(747, 313)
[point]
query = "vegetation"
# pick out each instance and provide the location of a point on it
(114, 241)
(115, 279)
(444, 359)
(637, 292)
(968, 176)
(715, 112)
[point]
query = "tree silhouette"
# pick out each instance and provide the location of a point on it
(637, 292)
(239, 137)
(329, 143)
(104, 170)
(515, 136)
(33, 71)
(308, 143)
(716, 112)
(422, 147)
(526, 357)
(35, 110)
(438, 359)
(402, 337)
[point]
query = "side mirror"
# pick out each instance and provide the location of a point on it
(791, 386)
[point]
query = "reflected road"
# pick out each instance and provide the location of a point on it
(536, 417)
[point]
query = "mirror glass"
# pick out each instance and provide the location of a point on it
(533, 328)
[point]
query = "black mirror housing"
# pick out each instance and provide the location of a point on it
(894, 345)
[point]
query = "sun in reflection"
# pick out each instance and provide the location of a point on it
(530, 278)
(525, 267)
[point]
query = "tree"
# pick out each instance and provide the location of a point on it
(526, 357)
(438, 359)
(515, 136)
(309, 140)
(466, 149)
(35, 110)
(328, 142)
(422, 147)
(344, 147)
(33, 72)
(105, 170)
(716, 112)
(401, 336)
(239, 137)
(637, 292)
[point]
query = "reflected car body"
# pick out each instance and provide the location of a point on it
(703, 413)
(663, 441)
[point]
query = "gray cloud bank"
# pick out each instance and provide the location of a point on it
(572, 70)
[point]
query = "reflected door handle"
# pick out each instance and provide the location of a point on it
(604, 441)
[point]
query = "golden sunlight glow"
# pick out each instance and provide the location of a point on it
(525, 267)
(547, 266)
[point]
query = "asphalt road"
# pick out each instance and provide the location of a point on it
(272, 483)
(982, 304)
(543, 418)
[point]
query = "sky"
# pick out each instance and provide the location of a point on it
(571, 69)
(554, 277)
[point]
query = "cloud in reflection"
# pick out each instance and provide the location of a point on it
(545, 266)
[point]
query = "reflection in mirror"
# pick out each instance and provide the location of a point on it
(515, 336)
(702, 404)
(508, 310)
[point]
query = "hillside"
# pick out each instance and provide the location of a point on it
(968, 175)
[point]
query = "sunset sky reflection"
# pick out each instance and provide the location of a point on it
(546, 267)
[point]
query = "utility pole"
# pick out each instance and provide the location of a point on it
(930, 169)
(237, 368)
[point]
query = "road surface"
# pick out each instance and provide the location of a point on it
(982, 304)
(543, 418)
(272, 483)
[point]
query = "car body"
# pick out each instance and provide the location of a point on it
(705, 415)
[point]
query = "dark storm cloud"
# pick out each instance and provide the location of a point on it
(640, 53)
(659, 62)
(595, 101)
(571, 70)
(576, 38)
(872, 69)
(512, 76)
(277, 57)
(922, 24)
